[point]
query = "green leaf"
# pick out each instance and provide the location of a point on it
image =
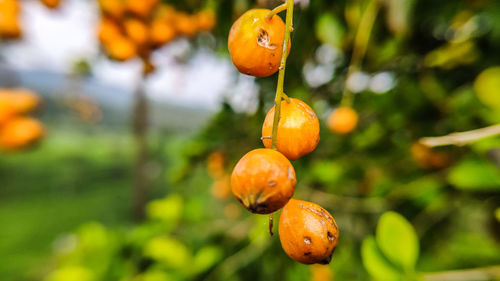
(397, 239)
(474, 174)
(206, 257)
(375, 262)
(329, 30)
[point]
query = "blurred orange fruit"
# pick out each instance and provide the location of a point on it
(427, 158)
(141, 8)
(161, 33)
(298, 129)
(9, 7)
(108, 31)
(19, 101)
(136, 30)
(20, 132)
(185, 24)
(221, 187)
(343, 120)
(215, 164)
(121, 49)
(113, 8)
(9, 26)
(206, 20)
(51, 4)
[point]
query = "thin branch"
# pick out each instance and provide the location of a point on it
(474, 274)
(462, 138)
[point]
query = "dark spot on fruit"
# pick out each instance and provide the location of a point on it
(263, 40)
(330, 236)
(307, 253)
(307, 240)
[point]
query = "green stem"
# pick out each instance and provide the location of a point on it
(276, 10)
(281, 76)
(361, 41)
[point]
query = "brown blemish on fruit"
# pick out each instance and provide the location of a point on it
(307, 240)
(263, 40)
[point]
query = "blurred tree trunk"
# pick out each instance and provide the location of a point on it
(141, 188)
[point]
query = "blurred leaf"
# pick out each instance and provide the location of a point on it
(168, 251)
(71, 273)
(326, 172)
(398, 16)
(168, 209)
(452, 55)
(329, 30)
(206, 257)
(474, 174)
(487, 87)
(375, 262)
(397, 240)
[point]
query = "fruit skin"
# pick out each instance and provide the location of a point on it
(161, 32)
(256, 43)
(9, 26)
(20, 132)
(121, 49)
(263, 181)
(137, 31)
(343, 120)
(18, 101)
(108, 30)
(298, 129)
(308, 233)
(51, 4)
(206, 20)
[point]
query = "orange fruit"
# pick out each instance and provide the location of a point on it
(9, 26)
(113, 8)
(141, 8)
(298, 129)
(256, 43)
(51, 4)
(121, 49)
(427, 158)
(308, 233)
(6, 113)
(20, 132)
(343, 120)
(19, 101)
(9, 7)
(206, 20)
(108, 31)
(263, 181)
(185, 24)
(136, 30)
(161, 32)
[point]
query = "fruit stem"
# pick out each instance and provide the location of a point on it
(281, 76)
(276, 10)
(361, 40)
(285, 97)
(271, 224)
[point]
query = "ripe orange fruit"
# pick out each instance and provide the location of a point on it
(108, 31)
(113, 8)
(9, 26)
(20, 132)
(141, 8)
(185, 24)
(136, 30)
(256, 43)
(51, 4)
(6, 113)
(9, 7)
(343, 120)
(161, 32)
(263, 181)
(206, 20)
(298, 129)
(121, 49)
(308, 233)
(19, 101)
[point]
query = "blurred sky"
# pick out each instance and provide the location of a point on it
(54, 40)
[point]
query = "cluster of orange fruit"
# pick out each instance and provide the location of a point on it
(10, 10)
(264, 180)
(130, 28)
(17, 130)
